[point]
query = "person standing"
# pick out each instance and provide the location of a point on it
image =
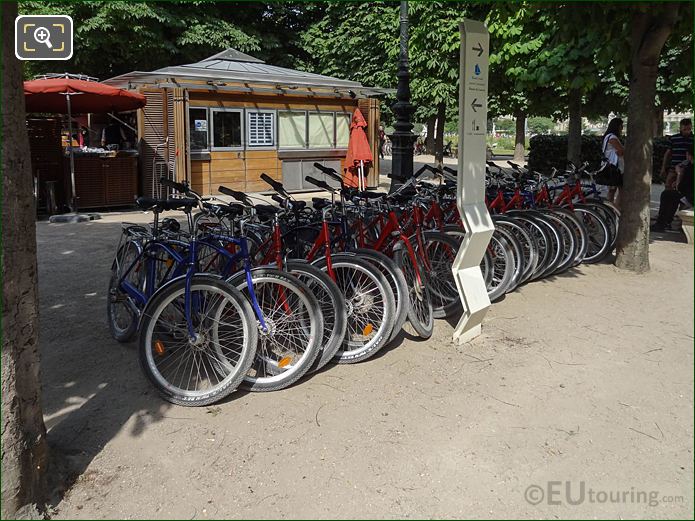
(678, 145)
(112, 135)
(614, 151)
(382, 141)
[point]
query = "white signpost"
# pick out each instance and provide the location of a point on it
(470, 190)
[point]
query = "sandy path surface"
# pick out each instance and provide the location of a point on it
(584, 378)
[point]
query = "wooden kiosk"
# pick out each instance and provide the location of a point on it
(231, 117)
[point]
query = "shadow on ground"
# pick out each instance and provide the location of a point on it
(92, 385)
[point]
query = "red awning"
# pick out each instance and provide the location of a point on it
(49, 95)
(359, 155)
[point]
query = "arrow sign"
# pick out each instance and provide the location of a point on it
(479, 48)
(476, 105)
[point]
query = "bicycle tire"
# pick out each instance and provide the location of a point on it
(528, 244)
(569, 245)
(332, 306)
(502, 266)
(517, 250)
(555, 242)
(287, 350)
(599, 236)
(541, 237)
(444, 293)
(241, 334)
(371, 311)
(420, 310)
(396, 281)
(117, 301)
(581, 234)
(610, 214)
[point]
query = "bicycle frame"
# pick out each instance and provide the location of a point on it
(231, 261)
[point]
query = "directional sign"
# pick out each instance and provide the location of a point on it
(471, 179)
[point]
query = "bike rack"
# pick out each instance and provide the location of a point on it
(470, 188)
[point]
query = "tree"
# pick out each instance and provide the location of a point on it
(349, 32)
(650, 28)
(24, 449)
(160, 34)
(504, 124)
(515, 89)
(540, 125)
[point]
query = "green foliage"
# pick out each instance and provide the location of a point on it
(540, 125)
(112, 38)
(504, 125)
(538, 50)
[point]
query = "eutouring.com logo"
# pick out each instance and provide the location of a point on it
(578, 493)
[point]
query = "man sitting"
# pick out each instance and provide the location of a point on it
(679, 192)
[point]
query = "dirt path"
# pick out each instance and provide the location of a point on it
(584, 377)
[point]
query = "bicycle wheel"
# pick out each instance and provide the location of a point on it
(441, 252)
(502, 267)
(569, 244)
(556, 245)
(581, 235)
(610, 215)
(420, 311)
(332, 306)
(396, 281)
(542, 238)
(370, 306)
(599, 234)
(198, 369)
(122, 313)
(518, 253)
(528, 244)
(292, 341)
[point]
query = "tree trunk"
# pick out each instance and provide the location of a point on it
(439, 134)
(650, 30)
(520, 137)
(574, 134)
(658, 121)
(429, 141)
(24, 449)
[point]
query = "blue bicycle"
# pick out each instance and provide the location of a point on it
(189, 336)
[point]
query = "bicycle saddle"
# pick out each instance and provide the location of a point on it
(320, 203)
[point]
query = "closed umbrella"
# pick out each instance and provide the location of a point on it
(70, 95)
(359, 154)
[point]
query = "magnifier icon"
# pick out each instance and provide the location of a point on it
(42, 35)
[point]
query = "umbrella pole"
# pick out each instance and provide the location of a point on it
(361, 176)
(73, 200)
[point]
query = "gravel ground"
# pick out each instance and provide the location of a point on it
(585, 378)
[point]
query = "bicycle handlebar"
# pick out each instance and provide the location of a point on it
(277, 186)
(239, 196)
(320, 184)
(179, 187)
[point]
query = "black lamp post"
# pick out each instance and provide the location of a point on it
(403, 138)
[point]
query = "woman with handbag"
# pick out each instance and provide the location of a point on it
(613, 151)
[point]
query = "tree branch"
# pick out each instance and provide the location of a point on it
(659, 28)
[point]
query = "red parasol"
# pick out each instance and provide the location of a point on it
(50, 95)
(359, 154)
(68, 95)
